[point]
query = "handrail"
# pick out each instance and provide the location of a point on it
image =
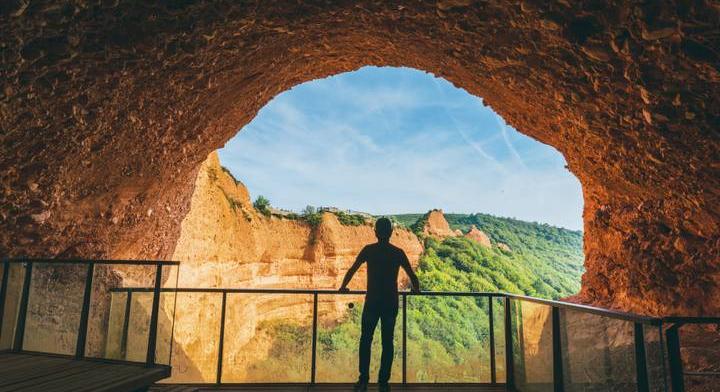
(591, 309)
(85, 261)
(638, 320)
(567, 305)
(305, 291)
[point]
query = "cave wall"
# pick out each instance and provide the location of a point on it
(107, 109)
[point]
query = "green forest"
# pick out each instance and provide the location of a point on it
(448, 337)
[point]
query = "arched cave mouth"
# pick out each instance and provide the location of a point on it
(333, 155)
(108, 125)
(390, 140)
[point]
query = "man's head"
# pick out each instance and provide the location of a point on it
(383, 229)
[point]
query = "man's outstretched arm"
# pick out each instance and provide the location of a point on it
(405, 264)
(349, 274)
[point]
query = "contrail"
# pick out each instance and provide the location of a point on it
(465, 137)
(513, 151)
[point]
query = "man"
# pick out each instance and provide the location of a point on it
(381, 301)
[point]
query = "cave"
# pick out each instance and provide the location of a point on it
(108, 108)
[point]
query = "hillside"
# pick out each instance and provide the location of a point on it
(448, 336)
(525, 257)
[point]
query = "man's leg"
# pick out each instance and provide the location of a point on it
(387, 327)
(370, 316)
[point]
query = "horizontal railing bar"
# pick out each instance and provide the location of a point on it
(250, 385)
(590, 309)
(702, 374)
(302, 291)
(86, 261)
(579, 307)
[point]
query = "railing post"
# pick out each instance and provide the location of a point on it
(509, 365)
(84, 314)
(152, 333)
(3, 292)
(558, 381)
(314, 338)
(221, 343)
(404, 338)
(675, 359)
(126, 326)
(22, 312)
(493, 375)
(641, 359)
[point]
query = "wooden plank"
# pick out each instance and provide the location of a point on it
(39, 367)
(135, 379)
(71, 368)
(40, 372)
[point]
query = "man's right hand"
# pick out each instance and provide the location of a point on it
(344, 289)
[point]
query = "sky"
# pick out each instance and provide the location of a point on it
(398, 140)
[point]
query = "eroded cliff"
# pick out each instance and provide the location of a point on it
(225, 242)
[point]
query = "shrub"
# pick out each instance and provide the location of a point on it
(350, 219)
(262, 205)
(311, 215)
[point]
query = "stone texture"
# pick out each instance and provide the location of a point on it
(108, 108)
(437, 226)
(479, 236)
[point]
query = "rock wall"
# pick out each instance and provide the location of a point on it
(108, 108)
(225, 242)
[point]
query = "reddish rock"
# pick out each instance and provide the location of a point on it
(478, 236)
(437, 226)
(108, 109)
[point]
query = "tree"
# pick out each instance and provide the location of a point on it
(309, 210)
(262, 205)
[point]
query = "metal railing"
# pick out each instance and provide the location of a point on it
(675, 361)
(509, 301)
(639, 322)
(18, 337)
(315, 300)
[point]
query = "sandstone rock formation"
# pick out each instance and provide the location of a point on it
(504, 247)
(225, 242)
(107, 109)
(437, 226)
(478, 236)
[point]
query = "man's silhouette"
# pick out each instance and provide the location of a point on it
(381, 301)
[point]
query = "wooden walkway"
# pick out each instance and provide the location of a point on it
(323, 388)
(51, 373)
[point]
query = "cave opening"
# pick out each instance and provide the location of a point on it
(105, 127)
(393, 142)
(290, 201)
(104, 149)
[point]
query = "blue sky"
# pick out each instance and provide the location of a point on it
(398, 140)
